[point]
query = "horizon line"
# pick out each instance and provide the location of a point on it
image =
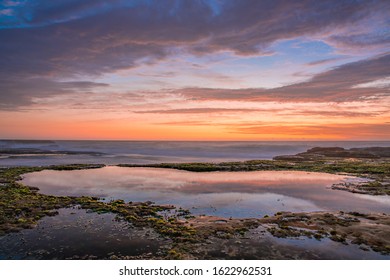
(168, 140)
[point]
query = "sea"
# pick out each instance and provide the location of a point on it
(50, 152)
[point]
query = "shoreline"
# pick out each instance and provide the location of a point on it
(22, 207)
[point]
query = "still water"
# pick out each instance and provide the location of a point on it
(225, 194)
(75, 233)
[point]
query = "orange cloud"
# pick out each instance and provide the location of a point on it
(358, 131)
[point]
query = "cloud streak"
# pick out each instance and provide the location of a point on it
(323, 61)
(336, 131)
(200, 111)
(22, 92)
(335, 85)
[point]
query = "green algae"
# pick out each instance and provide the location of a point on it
(371, 167)
(22, 206)
(353, 227)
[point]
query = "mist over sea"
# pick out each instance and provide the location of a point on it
(45, 152)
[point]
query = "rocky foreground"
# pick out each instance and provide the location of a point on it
(21, 207)
(337, 152)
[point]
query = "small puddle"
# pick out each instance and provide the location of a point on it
(259, 244)
(75, 233)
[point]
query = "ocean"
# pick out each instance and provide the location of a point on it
(48, 152)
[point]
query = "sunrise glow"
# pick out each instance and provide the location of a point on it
(195, 70)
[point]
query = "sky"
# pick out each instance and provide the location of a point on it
(195, 70)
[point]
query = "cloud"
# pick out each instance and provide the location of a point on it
(81, 84)
(199, 111)
(323, 61)
(335, 85)
(349, 131)
(163, 74)
(250, 27)
(22, 92)
(94, 37)
(51, 40)
(187, 123)
(282, 115)
(335, 113)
